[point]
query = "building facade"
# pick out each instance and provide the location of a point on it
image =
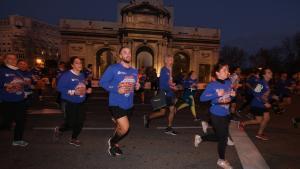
(146, 26)
(30, 39)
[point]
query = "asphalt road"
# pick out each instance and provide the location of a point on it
(143, 148)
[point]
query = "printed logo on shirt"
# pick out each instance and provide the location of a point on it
(9, 74)
(80, 89)
(128, 83)
(15, 86)
(121, 73)
(258, 88)
(73, 80)
(223, 98)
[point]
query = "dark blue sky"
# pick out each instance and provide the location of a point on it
(248, 24)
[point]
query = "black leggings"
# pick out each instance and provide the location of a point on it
(221, 127)
(248, 99)
(74, 119)
(14, 111)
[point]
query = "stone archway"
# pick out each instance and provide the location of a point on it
(181, 64)
(144, 57)
(104, 58)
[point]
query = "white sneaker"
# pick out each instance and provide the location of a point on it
(224, 164)
(204, 126)
(230, 142)
(20, 143)
(197, 140)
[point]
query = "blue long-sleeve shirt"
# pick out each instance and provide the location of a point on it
(259, 93)
(164, 78)
(210, 94)
(11, 77)
(117, 76)
(67, 83)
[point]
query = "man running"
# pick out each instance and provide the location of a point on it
(260, 105)
(167, 86)
(120, 80)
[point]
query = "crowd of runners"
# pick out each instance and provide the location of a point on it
(248, 98)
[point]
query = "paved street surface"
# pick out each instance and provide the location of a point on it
(143, 148)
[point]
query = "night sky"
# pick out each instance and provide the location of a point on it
(247, 24)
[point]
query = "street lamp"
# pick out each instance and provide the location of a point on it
(39, 61)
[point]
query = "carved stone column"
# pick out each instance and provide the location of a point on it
(64, 51)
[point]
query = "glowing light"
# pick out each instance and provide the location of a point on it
(39, 61)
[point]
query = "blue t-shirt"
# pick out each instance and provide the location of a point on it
(187, 83)
(210, 94)
(117, 76)
(68, 82)
(259, 92)
(165, 76)
(189, 89)
(38, 74)
(10, 78)
(252, 81)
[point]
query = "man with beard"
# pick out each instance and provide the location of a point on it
(120, 80)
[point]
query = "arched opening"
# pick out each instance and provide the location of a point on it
(181, 65)
(144, 57)
(104, 58)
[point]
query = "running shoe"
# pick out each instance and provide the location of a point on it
(241, 126)
(20, 143)
(262, 137)
(230, 142)
(118, 150)
(170, 131)
(196, 119)
(197, 140)
(57, 134)
(204, 126)
(224, 164)
(113, 150)
(75, 142)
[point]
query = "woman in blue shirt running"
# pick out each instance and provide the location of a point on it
(219, 93)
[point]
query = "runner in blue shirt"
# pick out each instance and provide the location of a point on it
(167, 86)
(120, 80)
(59, 72)
(88, 74)
(250, 85)
(283, 89)
(27, 76)
(73, 91)
(187, 99)
(260, 104)
(220, 94)
(12, 95)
